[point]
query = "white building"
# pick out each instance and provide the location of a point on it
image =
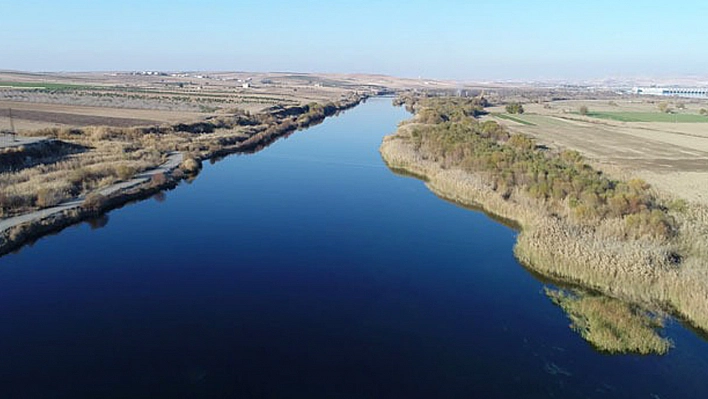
(692, 92)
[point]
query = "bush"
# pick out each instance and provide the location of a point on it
(515, 108)
(178, 174)
(10, 203)
(94, 202)
(563, 181)
(703, 111)
(47, 197)
(583, 110)
(158, 179)
(493, 130)
(654, 224)
(430, 116)
(191, 165)
(125, 172)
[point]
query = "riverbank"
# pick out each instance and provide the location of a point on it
(640, 270)
(17, 230)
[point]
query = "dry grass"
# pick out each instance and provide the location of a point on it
(191, 165)
(115, 154)
(639, 271)
(74, 175)
(673, 157)
(118, 153)
(611, 325)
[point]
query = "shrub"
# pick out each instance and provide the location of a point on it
(125, 172)
(10, 203)
(563, 181)
(158, 179)
(521, 142)
(703, 111)
(583, 110)
(94, 202)
(430, 116)
(515, 108)
(493, 130)
(178, 174)
(654, 224)
(47, 197)
(191, 165)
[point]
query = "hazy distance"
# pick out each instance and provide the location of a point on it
(465, 40)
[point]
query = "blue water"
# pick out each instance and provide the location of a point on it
(308, 270)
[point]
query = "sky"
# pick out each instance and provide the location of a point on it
(463, 40)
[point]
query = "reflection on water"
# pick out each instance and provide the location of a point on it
(611, 325)
(307, 270)
(160, 197)
(98, 222)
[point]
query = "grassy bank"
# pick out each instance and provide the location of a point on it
(616, 237)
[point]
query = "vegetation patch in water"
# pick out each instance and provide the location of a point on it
(611, 325)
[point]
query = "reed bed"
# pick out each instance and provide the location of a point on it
(656, 272)
(111, 154)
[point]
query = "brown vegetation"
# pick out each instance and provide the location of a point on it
(611, 325)
(618, 237)
(108, 155)
(191, 165)
(515, 108)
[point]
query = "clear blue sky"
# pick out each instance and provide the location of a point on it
(470, 40)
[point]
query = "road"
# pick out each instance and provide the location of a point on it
(173, 161)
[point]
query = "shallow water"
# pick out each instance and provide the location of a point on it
(306, 270)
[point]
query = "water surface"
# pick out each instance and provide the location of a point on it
(307, 270)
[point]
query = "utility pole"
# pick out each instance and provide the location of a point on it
(12, 127)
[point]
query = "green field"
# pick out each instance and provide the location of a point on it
(42, 85)
(514, 118)
(649, 117)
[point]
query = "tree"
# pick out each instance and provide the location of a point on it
(481, 101)
(583, 110)
(515, 108)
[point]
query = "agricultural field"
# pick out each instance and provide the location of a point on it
(650, 117)
(122, 99)
(79, 133)
(627, 137)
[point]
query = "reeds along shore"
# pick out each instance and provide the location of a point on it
(664, 270)
(109, 155)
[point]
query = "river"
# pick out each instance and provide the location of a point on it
(307, 270)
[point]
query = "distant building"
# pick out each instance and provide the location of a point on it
(246, 85)
(690, 92)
